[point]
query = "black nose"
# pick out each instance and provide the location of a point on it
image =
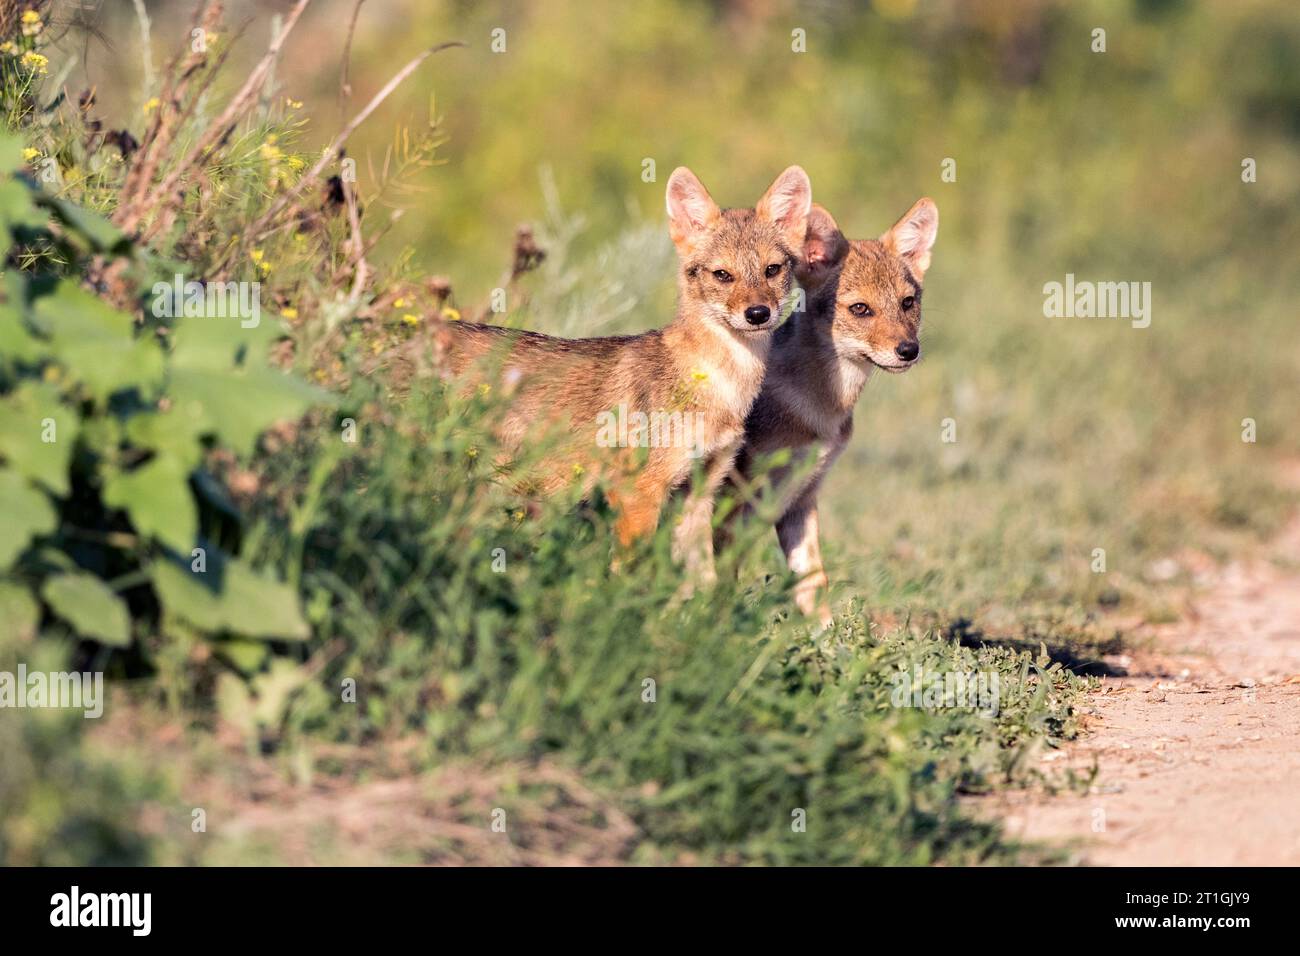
(757, 314)
(908, 350)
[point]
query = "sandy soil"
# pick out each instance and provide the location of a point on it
(1198, 746)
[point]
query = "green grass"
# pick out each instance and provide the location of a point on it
(752, 717)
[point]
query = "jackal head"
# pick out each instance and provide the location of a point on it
(870, 289)
(737, 265)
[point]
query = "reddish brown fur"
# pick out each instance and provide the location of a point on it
(709, 359)
(821, 359)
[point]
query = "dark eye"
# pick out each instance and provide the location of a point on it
(908, 302)
(860, 308)
(722, 275)
(773, 269)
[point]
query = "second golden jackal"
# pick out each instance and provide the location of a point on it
(735, 278)
(863, 313)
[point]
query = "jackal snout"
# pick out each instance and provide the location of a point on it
(872, 286)
(738, 264)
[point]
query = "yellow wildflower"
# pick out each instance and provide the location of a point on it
(289, 312)
(699, 376)
(151, 104)
(398, 303)
(29, 154)
(9, 47)
(32, 23)
(293, 104)
(35, 62)
(471, 452)
(451, 313)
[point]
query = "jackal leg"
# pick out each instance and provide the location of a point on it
(798, 533)
(638, 507)
(693, 536)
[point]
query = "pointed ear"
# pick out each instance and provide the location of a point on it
(824, 248)
(912, 236)
(787, 203)
(691, 210)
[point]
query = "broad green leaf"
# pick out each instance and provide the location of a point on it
(99, 234)
(247, 656)
(274, 688)
(260, 705)
(167, 433)
(92, 609)
(219, 343)
(235, 704)
(97, 343)
(70, 312)
(239, 406)
(157, 497)
(263, 705)
(50, 558)
(16, 341)
(106, 369)
(11, 152)
(24, 513)
(101, 434)
(19, 611)
(230, 597)
(37, 434)
(16, 207)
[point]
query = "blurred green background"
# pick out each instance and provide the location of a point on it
(1122, 165)
(1069, 155)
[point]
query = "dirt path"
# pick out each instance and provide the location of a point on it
(1199, 745)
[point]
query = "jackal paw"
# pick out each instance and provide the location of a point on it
(810, 598)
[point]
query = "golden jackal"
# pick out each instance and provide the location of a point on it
(736, 274)
(863, 313)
